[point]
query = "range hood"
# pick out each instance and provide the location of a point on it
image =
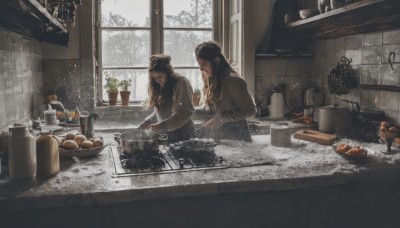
(277, 40)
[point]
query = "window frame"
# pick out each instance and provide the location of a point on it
(156, 38)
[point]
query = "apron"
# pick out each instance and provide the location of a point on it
(238, 130)
(185, 132)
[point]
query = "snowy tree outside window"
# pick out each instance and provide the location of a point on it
(127, 37)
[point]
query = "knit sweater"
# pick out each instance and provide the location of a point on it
(236, 102)
(180, 110)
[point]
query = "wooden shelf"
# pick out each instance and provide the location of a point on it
(30, 19)
(275, 56)
(392, 88)
(360, 17)
(45, 15)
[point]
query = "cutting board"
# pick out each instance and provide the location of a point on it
(315, 136)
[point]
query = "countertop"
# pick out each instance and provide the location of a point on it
(256, 166)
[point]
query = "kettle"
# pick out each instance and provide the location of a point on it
(277, 107)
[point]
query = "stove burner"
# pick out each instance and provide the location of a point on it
(140, 163)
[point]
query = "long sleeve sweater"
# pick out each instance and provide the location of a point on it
(236, 102)
(180, 110)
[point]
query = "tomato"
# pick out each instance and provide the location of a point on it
(59, 115)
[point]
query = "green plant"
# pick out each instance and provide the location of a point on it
(111, 83)
(124, 84)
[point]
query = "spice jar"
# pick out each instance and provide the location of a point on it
(47, 155)
(22, 153)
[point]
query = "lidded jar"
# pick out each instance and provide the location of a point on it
(47, 155)
(21, 153)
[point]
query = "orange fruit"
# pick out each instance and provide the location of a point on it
(59, 114)
(384, 124)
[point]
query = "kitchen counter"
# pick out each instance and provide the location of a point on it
(256, 166)
(251, 167)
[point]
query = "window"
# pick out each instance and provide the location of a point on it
(132, 30)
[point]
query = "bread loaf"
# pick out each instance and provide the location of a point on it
(79, 139)
(86, 144)
(98, 142)
(70, 136)
(70, 144)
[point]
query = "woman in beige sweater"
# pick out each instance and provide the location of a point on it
(226, 94)
(170, 94)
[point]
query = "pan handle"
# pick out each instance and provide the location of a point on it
(118, 139)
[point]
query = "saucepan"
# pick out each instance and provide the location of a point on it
(140, 143)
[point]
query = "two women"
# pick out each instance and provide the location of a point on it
(226, 96)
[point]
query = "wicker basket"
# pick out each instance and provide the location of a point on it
(91, 152)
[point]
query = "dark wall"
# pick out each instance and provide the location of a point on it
(21, 78)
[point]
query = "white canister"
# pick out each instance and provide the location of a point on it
(50, 116)
(280, 135)
(277, 107)
(22, 154)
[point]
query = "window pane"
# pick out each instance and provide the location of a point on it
(139, 83)
(180, 45)
(125, 13)
(194, 77)
(187, 13)
(125, 48)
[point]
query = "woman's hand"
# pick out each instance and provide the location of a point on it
(154, 127)
(144, 125)
(215, 122)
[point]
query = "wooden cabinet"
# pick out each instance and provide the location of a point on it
(361, 17)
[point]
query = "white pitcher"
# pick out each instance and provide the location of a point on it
(277, 107)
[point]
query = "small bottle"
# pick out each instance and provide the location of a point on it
(48, 161)
(22, 153)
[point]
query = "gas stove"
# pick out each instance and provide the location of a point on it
(165, 161)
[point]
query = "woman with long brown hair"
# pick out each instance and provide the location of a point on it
(226, 94)
(170, 95)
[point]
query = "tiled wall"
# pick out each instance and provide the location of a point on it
(294, 72)
(369, 53)
(21, 78)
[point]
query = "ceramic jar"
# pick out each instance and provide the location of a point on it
(280, 135)
(47, 155)
(22, 153)
(277, 107)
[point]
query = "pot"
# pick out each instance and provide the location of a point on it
(140, 143)
(335, 119)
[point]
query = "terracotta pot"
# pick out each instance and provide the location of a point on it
(112, 98)
(125, 97)
(196, 99)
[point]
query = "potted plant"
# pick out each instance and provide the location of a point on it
(196, 97)
(125, 93)
(112, 88)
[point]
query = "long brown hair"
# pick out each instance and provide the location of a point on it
(209, 51)
(159, 96)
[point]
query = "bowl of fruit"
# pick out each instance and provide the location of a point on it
(68, 117)
(78, 145)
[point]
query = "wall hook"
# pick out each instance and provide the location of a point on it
(391, 59)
